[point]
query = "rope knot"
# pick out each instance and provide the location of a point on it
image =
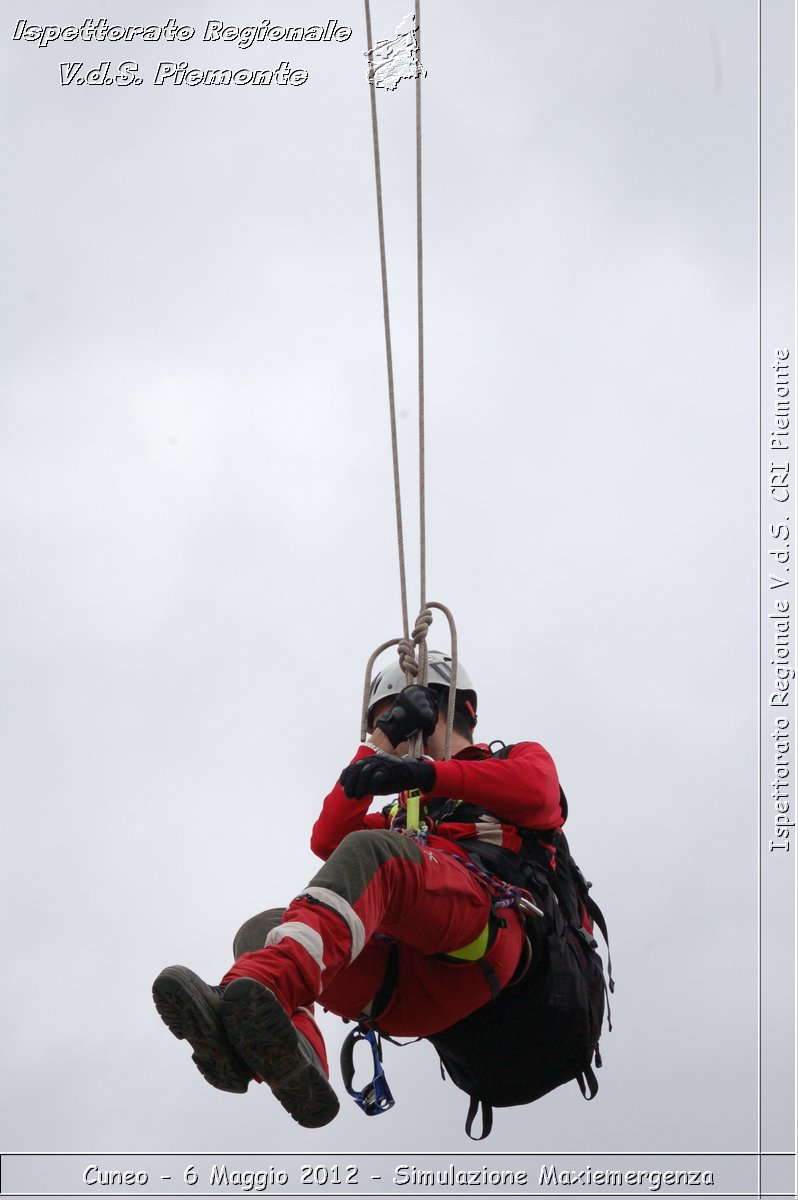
(407, 658)
(423, 622)
(416, 668)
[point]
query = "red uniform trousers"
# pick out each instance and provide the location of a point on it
(333, 941)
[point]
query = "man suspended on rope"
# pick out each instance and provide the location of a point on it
(401, 932)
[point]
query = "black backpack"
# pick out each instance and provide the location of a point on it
(544, 1029)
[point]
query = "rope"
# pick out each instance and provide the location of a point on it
(387, 329)
(412, 647)
(364, 713)
(506, 895)
(375, 137)
(420, 308)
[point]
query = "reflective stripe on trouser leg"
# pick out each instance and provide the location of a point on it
(337, 903)
(309, 939)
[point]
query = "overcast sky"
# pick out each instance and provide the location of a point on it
(199, 549)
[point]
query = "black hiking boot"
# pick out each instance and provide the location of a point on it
(192, 1010)
(262, 1033)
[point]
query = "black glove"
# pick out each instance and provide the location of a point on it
(384, 774)
(414, 710)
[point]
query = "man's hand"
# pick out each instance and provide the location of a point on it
(385, 774)
(414, 710)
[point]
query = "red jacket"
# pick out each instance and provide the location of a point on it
(522, 789)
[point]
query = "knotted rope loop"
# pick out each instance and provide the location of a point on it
(413, 650)
(423, 622)
(407, 659)
(415, 669)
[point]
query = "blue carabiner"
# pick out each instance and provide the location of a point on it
(376, 1097)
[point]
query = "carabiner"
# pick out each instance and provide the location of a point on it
(376, 1097)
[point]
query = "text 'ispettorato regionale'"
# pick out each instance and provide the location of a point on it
(100, 31)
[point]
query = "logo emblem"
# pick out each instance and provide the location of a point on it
(394, 59)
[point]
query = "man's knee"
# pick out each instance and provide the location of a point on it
(353, 864)
(378, 844)
(253, 933)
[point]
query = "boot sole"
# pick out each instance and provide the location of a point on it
(262, 1034)
(187, 1012)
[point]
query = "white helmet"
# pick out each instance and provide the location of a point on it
(439, 675)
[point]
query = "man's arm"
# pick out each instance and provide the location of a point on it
(523, 788)
(339, 815)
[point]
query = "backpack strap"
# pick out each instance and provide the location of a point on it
(492, 981)
(474, 1105)
(597, 916)
(588, 1084)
